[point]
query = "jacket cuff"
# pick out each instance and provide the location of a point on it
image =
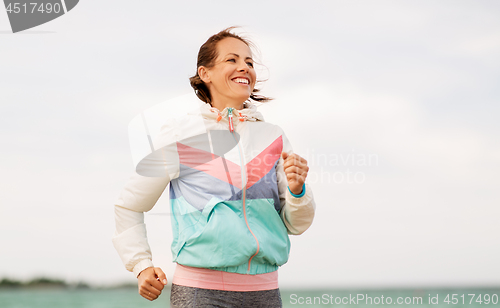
(298, 213)
(132, 246)
(299, 195)
(142, 265)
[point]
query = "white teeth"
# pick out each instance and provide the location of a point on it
(241, 80)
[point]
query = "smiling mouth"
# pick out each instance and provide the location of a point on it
(241, 80)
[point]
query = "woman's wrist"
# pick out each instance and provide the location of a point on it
(142, 265)
(298, 195)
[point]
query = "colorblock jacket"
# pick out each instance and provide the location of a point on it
(231, 207)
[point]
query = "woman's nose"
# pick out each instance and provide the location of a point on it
(243, 67)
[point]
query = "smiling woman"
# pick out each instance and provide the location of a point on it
(232, 78)
(236, 192)
(233, 51)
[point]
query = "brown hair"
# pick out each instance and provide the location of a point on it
(206, 57)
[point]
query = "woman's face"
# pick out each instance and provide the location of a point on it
(232, 79)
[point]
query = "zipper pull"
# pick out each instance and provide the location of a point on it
(230, 118)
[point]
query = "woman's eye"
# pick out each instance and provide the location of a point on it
(250, 64)
(231, 60)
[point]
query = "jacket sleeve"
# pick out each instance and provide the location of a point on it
(297, 213)
(139, 195)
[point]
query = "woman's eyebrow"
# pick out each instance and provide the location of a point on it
(237, 55)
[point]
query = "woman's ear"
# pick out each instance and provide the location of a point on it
(204, 74)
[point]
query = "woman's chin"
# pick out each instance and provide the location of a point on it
(246, 96)
(242, 98)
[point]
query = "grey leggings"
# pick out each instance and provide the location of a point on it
(181, 297)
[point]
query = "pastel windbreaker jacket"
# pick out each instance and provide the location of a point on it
(230, 203)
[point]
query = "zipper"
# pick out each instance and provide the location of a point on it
(243, 184)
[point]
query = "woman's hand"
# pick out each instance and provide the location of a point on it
(296, 171)
(151, 282)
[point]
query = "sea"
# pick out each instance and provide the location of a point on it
(129, 298)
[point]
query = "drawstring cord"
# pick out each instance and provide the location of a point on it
(230, 112)
(230, 118)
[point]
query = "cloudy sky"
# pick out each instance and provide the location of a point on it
(394, 103)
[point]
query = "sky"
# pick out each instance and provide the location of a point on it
(394, 104)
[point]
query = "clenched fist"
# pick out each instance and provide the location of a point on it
(296, 171)
(151, 281)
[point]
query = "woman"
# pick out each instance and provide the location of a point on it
(236, 191)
